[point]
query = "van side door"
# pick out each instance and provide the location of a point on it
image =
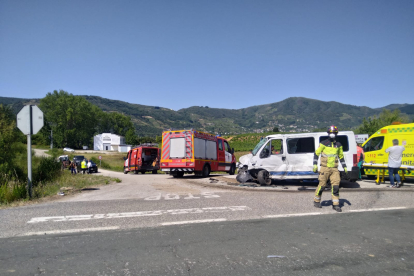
(300, 152)
(272, 158)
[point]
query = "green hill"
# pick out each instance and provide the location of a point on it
(294, 114)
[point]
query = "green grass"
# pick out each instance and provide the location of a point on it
(14, 193)
(47, 178)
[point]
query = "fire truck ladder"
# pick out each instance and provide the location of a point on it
(188, 148)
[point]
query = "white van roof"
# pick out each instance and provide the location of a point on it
(311, 134)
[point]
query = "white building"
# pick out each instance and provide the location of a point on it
(109, 141)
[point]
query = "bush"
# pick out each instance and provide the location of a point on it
(11, 191)
(47, 170)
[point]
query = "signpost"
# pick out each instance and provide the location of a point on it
(100, 158)
(29, 121)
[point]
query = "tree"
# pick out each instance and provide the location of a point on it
(131, 138)
(8, 134)
(117, 123)
(386, 117)
(275, 129)
(72, 119)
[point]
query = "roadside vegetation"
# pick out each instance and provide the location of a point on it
(385, 118)
(113, 161)
(47, 176)
(246, 142)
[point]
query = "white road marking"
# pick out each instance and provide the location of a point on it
(42, 233)
(140, 214)
(320, 213)
(294, 215)
(177, 196)
(193, 221)
(378, 209)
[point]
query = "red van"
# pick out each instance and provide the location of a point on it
(142, 159)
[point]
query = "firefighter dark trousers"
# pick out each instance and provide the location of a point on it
(333, 175)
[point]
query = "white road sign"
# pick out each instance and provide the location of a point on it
(26, 125)
(361, 138)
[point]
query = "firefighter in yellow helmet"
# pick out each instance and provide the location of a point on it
(330, 151)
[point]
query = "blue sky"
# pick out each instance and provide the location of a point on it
(225, 54)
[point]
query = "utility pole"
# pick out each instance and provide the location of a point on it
(51, 139)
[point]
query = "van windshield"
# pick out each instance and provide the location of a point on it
(258, 146)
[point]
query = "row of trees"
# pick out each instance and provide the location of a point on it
(386, 117)
(74, 121)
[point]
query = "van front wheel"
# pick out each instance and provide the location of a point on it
(264, 178)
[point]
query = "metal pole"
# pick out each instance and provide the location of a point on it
(29, 154)
(29, 165)
(51, 139)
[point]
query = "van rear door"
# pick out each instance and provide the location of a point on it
(348, 149)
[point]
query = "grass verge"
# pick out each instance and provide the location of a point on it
(14, 193)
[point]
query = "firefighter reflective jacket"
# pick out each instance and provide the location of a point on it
(330, 152)
(83, 165)
(360, 154)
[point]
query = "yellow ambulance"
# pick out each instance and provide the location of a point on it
(376, 145)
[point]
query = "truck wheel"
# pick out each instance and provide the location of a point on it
(178, 174)
(143, 172)
(263, 178)
(206, 171)
(232, 169)
(154, 172)
(125, 171)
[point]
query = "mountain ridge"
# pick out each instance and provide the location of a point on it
(296, 114)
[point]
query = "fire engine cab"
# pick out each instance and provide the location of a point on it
(143, 158)
(191, 151)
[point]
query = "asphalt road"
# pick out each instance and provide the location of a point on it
(158, 225)
(365, 243)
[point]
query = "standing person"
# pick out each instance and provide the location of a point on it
(73, 168)
(394, 162)
(329, 150)
(89, 165)
(83, 166)
(360, 158)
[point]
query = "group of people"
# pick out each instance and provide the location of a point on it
(330, 150)
(86, 166)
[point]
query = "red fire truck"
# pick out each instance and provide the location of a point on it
(143, 158)
(191, 151)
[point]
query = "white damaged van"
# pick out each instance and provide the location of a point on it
(290, 156)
